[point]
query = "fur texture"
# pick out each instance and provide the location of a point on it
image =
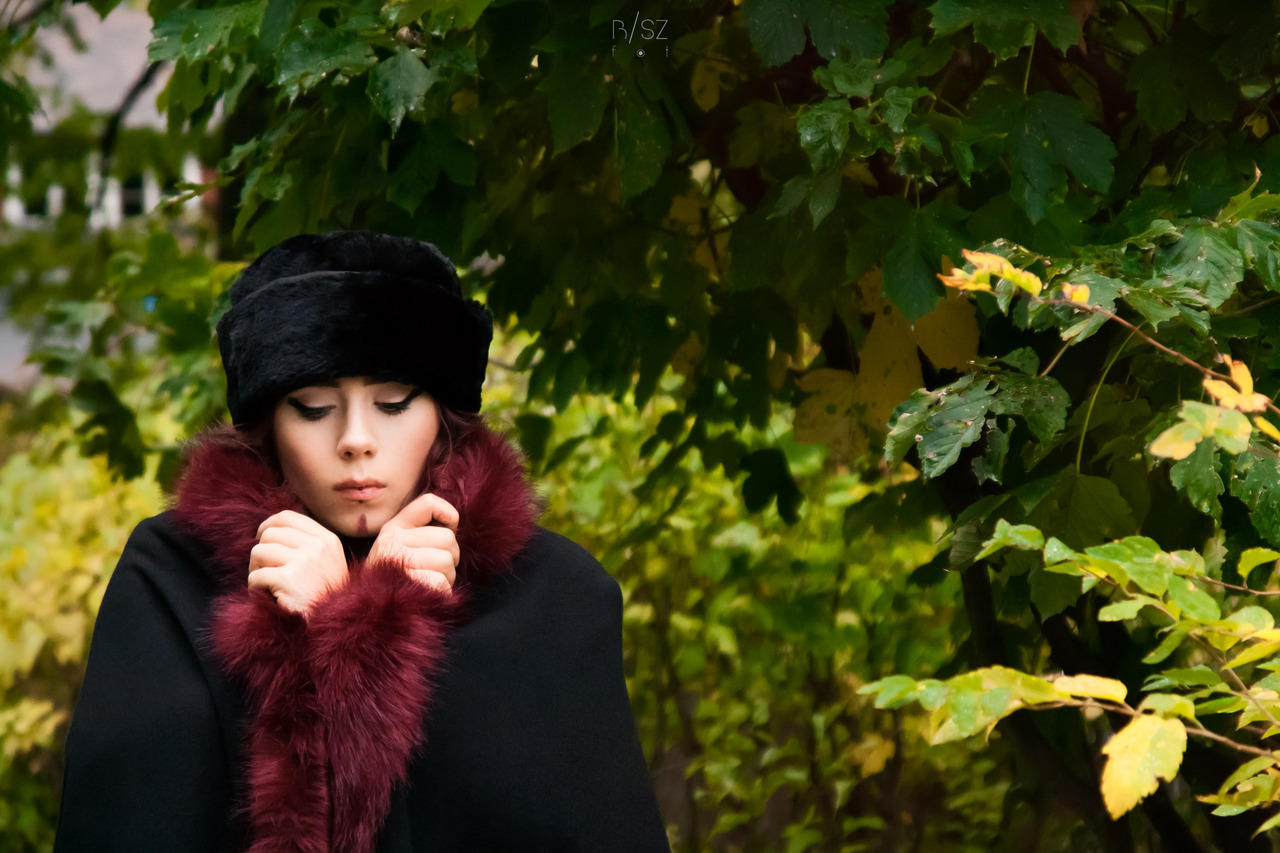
(337, 702)
(352, 303)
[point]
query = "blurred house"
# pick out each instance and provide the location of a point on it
(60, 171)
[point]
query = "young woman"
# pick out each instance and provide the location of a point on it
(349, 634)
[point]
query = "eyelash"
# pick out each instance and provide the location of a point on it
(315, 413)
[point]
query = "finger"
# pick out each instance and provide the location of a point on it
(431, 560)
(269, 555)
(439, 538)
(431, 579)
(297, 521)
(425, 509)
(266, 578)
(290, 537)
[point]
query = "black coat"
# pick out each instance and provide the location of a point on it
(528, 742)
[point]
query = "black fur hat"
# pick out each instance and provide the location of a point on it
(316, 308)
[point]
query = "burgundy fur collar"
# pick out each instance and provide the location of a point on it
(337, 702)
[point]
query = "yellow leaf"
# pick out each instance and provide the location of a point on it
(1076, 292)
(1177, 442)
(1147, 750)
(705, 82)
(1242, 400)
(1267, 428)
(465, 101)
(948, 334)
(826, 416)
(1093, 686)
(888, 372)
(688, 356)
(962, 280)
(1259, 126)
(984, 262)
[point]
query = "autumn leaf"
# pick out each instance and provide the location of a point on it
(1092, 686)
(1147, 750)
(1267, 428)
(1076, 292)
(948, 335)
(1241, 398)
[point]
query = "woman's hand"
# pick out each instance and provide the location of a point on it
(423, 537)
(297, 559)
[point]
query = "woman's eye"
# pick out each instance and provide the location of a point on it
(397, 408)
(310, 413)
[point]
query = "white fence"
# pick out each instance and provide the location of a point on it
(109, 204)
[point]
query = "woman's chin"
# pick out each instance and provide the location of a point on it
(357, 523)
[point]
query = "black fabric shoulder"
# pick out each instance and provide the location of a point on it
(147, 759)
(532, 745)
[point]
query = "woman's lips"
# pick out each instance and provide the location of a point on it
(360, 490)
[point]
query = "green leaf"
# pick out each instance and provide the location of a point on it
(1050, 136)
(1095, 510)
(990, 466)
(1254, 557)
(1169, 705)
(1168, 645)
(1180, 75)
(1196, 676)
(777, 27)
(1259, 245)
(824, 132)
(399, 84)
(1153, 309)
(1147, 750)
(1197, 475)
(1052, 592)
(1007, 27)
(892, 692)
(910, 281)
(1021, 536)
(1121, 610)
(1141, 560)
(1256, 481)
(1257, 618)
(769, 477)
(312, 51)
(1040, 400)
(906, 422)
(826, 192)
(1246, 770)
(1195, 602)
(276, 21)
(1206, 257)
(1023, 359)
(1055, 551)
(577, 93)
(643, 143)
(194, 34)
(1255, 652)
(954, 423)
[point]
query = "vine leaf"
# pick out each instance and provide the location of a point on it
(1005, 28)
(1256, 481)
(399, 84)
(1147, 750)
(777, 27)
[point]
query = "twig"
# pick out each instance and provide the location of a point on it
(1249, 590)
(1111, 315)
(1198, 730)
(112, 132)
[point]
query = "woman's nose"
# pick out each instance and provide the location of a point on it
(356, 439)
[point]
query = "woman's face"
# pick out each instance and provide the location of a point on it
(353, 449)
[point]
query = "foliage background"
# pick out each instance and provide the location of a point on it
(716, 270)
